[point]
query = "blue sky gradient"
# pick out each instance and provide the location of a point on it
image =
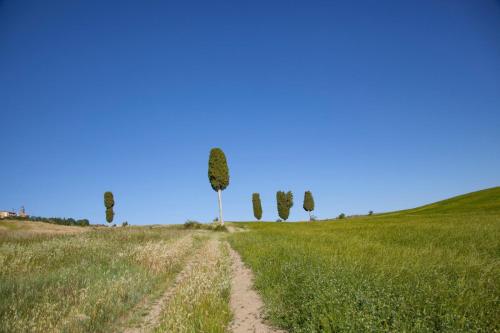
(371, 105)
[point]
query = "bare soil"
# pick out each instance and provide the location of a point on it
(246, 304)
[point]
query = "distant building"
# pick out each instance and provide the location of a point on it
(22, 212)
(6, 213)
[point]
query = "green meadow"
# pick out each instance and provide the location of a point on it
(434, 268)
(431, 269)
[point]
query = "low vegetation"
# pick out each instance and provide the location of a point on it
(84, 282)
(405, 272)
(200, 301)
(53, 220)
(430, 269)
(195, 225)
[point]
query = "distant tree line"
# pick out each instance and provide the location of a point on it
(54, 220)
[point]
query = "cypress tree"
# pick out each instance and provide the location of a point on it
(109, 203)
(257, 207)
(308, 203)
(285, 202)
(218, 175)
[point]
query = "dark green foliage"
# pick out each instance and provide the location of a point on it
(125, 224)
(109, 200)
(52, 220)
(218, 172)
(370, 212)
(109, 203)
(308, 202)
(284, 202)
(341, 216)
(110, 214)
(257, 206)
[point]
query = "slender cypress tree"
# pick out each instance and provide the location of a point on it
(285, 202)
(109, 203)
(257, 207)
(218, 174)
(308, 203)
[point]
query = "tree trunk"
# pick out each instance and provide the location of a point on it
(221, 219)
(309, 215)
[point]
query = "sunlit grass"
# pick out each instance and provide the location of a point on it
(83, 282)
(200, 301)
(399, 273)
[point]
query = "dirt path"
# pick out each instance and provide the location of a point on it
(246, 304)
(151, 320)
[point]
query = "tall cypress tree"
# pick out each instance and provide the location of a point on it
(308, 203)
(218, 175)
(284, 202)
(257, 207)
(109, 203)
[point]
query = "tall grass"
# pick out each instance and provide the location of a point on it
(398, 274)
(200, 301)
(83, 282)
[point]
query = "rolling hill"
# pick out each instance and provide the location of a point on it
(484, 201)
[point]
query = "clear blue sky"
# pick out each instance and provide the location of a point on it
(371, 105)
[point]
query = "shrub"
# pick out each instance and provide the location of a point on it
(190, 224)
(370, 212)
(218, 227)
(341, 216)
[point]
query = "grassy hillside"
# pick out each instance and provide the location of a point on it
(484, 201)
(431, 269)
(14, 229)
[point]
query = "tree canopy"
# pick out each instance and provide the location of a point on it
(218, 172)
(285, 202)
(257, 206)
(308, 201)
(109, 203)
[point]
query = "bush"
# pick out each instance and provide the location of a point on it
(370, 212)
(218, 227)
(341, 216)
(190, 224)
(279, 220)
(313, 218)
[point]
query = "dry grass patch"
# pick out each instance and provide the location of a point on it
(10, 229)
(200, 299)
(82, 282)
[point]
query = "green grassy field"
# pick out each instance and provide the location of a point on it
(434, 268)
